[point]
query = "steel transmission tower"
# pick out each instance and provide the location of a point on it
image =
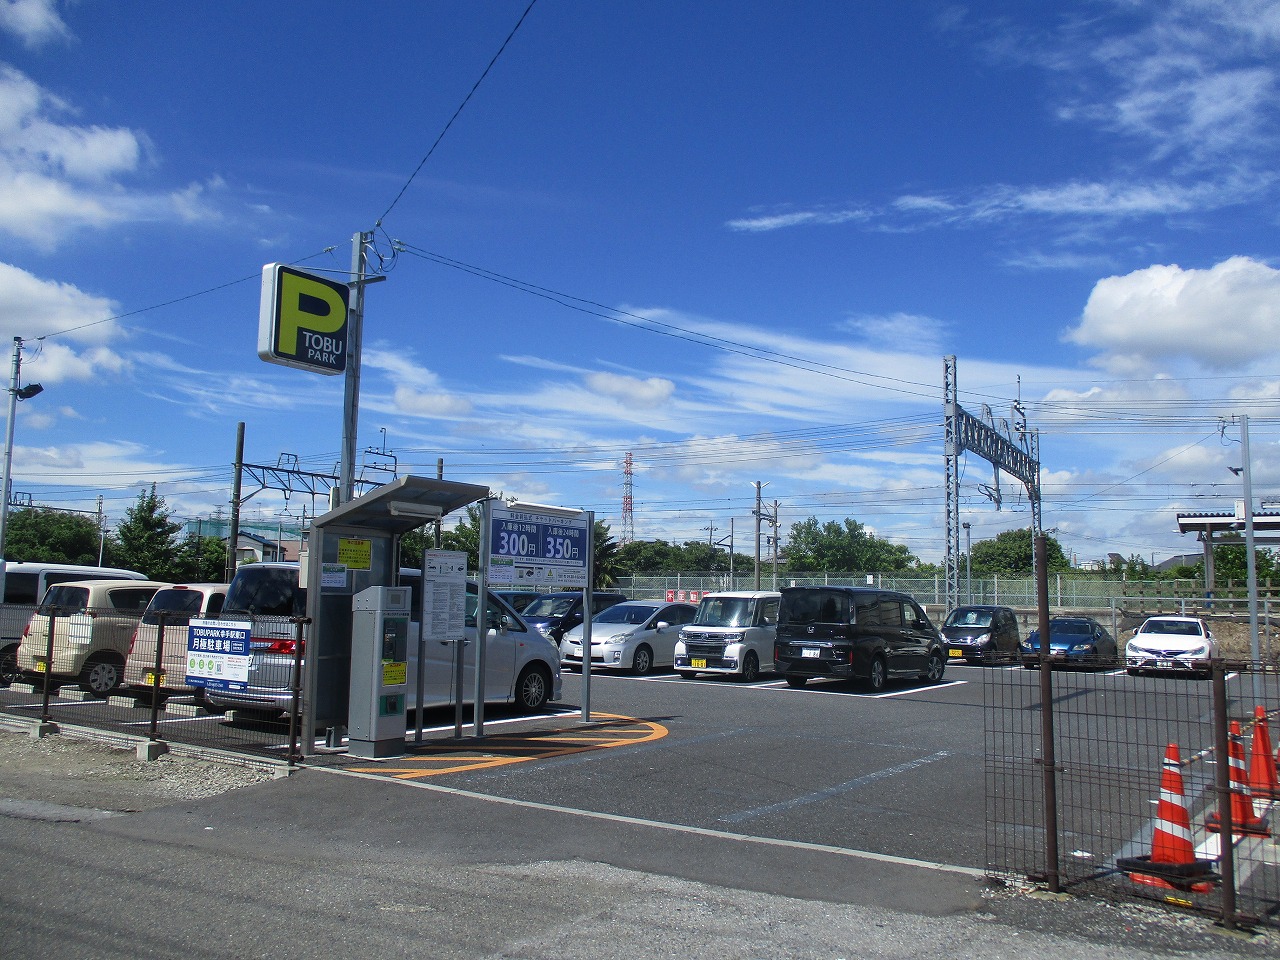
(1019, 458)
(628, 521)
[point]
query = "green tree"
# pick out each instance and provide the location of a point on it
(200, 560)
(51, 536)
(1010, 553)
(843, 548)
(1230, 562)
(147, 538)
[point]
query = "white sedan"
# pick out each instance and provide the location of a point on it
(634, 635)
(1171, 645)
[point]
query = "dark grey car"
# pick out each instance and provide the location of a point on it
(982, 633)
(857, 633)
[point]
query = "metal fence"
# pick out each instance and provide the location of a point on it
(127, 678)
(1065, 589)
(1138, 786)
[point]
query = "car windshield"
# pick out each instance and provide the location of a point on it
(62, 600)
(1181, 628)
(266, 591)
(1070, 627)
(724, 612)
(969, 618)
(549, 607)
(814, 606)
(178, 606)
(625, 613)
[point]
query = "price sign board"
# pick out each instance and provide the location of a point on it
(529, 548)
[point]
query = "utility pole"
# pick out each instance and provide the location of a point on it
(1251, 564)
(233, 535)
(774, 521)
(351, 391)
(102, 532)
(755, 580)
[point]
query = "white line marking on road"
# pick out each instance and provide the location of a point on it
(672, 827)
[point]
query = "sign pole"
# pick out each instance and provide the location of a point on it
(482, 612)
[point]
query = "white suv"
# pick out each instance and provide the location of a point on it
(733, 633)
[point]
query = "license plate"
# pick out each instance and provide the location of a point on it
(699, 663)
(811, 652)
(1164, 664)
(41, 666)
(953, 652)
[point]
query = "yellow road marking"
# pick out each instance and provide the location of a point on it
(447, 756)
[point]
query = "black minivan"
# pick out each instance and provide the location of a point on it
(855, 632)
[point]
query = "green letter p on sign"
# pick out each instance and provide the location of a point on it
(302, 320)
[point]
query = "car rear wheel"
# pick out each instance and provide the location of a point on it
(532, 688)
(687, 674)
(642, 660)
(750, 668)
(878, 676)
(935, 668)
(796, 682)
(101, 675)
(9, 672)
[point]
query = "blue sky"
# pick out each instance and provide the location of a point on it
(733, 238)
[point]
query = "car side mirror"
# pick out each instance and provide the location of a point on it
(661, 625)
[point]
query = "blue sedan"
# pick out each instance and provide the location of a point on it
(1073, 640)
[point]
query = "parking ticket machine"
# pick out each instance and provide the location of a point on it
(379, 671)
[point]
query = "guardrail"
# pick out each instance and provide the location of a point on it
(1159, 787)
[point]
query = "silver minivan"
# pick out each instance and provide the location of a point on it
(732, 633)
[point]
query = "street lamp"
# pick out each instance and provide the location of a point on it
(16, 393)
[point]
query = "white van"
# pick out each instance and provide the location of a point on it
(178, 605)
(24, 587)
(733, 633)
(521, 665)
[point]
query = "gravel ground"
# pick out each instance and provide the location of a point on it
(75, 772)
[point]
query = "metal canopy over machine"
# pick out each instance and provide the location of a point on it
(353, 547)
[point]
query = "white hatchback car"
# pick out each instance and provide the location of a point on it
(634, 635)
(1171, 645)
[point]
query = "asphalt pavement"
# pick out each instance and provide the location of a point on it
(718, 838)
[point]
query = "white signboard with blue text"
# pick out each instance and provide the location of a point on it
(538, 550)
(218, 654)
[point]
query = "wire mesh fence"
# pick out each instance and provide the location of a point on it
(231, 687)
(1149, 786)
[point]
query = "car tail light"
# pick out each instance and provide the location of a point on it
(281, 645)
(133, 640)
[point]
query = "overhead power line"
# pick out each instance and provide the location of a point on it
(465, 100)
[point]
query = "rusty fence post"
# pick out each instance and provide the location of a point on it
(1222, 783)
(1049, 758)
(156, 677)
(45, 715)
(295, 689)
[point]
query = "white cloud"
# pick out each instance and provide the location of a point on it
(819, 217)
(419, 404)
(417, 391)
(56, 178)
(35, 22)
(903, 330)
(1222, 318)
(651, 392)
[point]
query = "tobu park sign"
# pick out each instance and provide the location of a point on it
(302, 320)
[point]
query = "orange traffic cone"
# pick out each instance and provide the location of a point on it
(1172, 864)
(1244, 821)
(1262, 764)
